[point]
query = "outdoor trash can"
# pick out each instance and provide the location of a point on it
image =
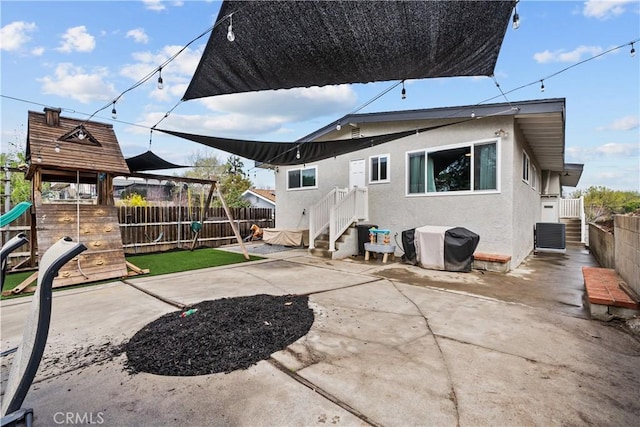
(363, 236)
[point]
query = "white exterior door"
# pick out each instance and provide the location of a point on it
(549, 210)
(357, 177)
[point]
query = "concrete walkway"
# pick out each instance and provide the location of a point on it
(391, 345)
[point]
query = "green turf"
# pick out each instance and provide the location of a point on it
(160, 263)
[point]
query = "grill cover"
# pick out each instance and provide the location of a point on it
(445, 248)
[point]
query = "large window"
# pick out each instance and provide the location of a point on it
(379, 168)
(302, 178)
(470, 167)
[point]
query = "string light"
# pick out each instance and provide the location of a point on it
(230, 36)
(633, 50)
(338, 126)
(298, 152)
(516, 18)
(404, 91)
(81, 135)
(160, 82)
(57, 149)
(473, 114)
(114, 113)
(541, 85)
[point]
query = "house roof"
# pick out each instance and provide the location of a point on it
(571, 174)
(59, 146)
(286, 44)
(267, 195)
(542, 122)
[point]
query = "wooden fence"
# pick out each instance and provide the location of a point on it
(155, 228)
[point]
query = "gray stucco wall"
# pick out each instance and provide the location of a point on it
(627, 249)
(526, 203)
(602, 246)
(490, 215)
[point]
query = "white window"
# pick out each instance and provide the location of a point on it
(302, 178)
(525, 167)
(534, 177)
(469, 167)
(379, 168)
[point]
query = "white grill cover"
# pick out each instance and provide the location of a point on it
(429, 242)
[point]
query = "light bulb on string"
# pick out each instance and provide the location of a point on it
(473, 114)
(516, 21)
(114, 113)
(541, 85)
(338, 126)
(633, 51)
(298, 152)
(404, 91)
(160, 81)
(81, 135)
(230, 36)
(57, 148)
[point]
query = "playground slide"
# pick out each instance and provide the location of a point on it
(14, 213)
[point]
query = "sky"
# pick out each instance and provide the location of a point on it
(81, 55)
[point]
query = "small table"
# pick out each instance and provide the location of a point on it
(383, 249)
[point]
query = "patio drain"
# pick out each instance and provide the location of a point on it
(221, 335)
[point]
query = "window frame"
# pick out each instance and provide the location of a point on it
(526, 166)
(370, 174)
(303, 187)
(534, 177)
(471, 145)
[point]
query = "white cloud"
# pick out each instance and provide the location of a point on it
(14, 35)
(618, 150)
(608, 150)
(154, 5)
(562, 56)
(297, 104)
(604, 9)
(37, 51)
(73, 82)
(623, 123)
(138, 35)
(77, 39)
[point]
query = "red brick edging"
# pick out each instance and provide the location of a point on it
(603, 287)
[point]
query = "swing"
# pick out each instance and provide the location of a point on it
(146, 221)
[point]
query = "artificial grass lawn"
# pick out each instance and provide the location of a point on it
(160, 263)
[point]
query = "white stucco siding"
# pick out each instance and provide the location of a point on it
(490, 214)
(526, 203)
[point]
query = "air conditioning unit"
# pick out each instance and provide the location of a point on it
(550, 237)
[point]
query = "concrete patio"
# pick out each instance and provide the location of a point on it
(391, 345)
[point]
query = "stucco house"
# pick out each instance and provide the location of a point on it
(495, 169)
(260, 197)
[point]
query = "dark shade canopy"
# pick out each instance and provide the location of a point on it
(295, 153)
(149, 161)
(287, 44)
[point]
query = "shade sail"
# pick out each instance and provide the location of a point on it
(287, 44)
(295, 153)
(149, 161)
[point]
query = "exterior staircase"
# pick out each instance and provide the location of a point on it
(346, 245)
(573, 231)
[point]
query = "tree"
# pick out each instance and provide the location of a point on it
(602, 202)
(233, 183)
(230, 176)
(20, 188)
